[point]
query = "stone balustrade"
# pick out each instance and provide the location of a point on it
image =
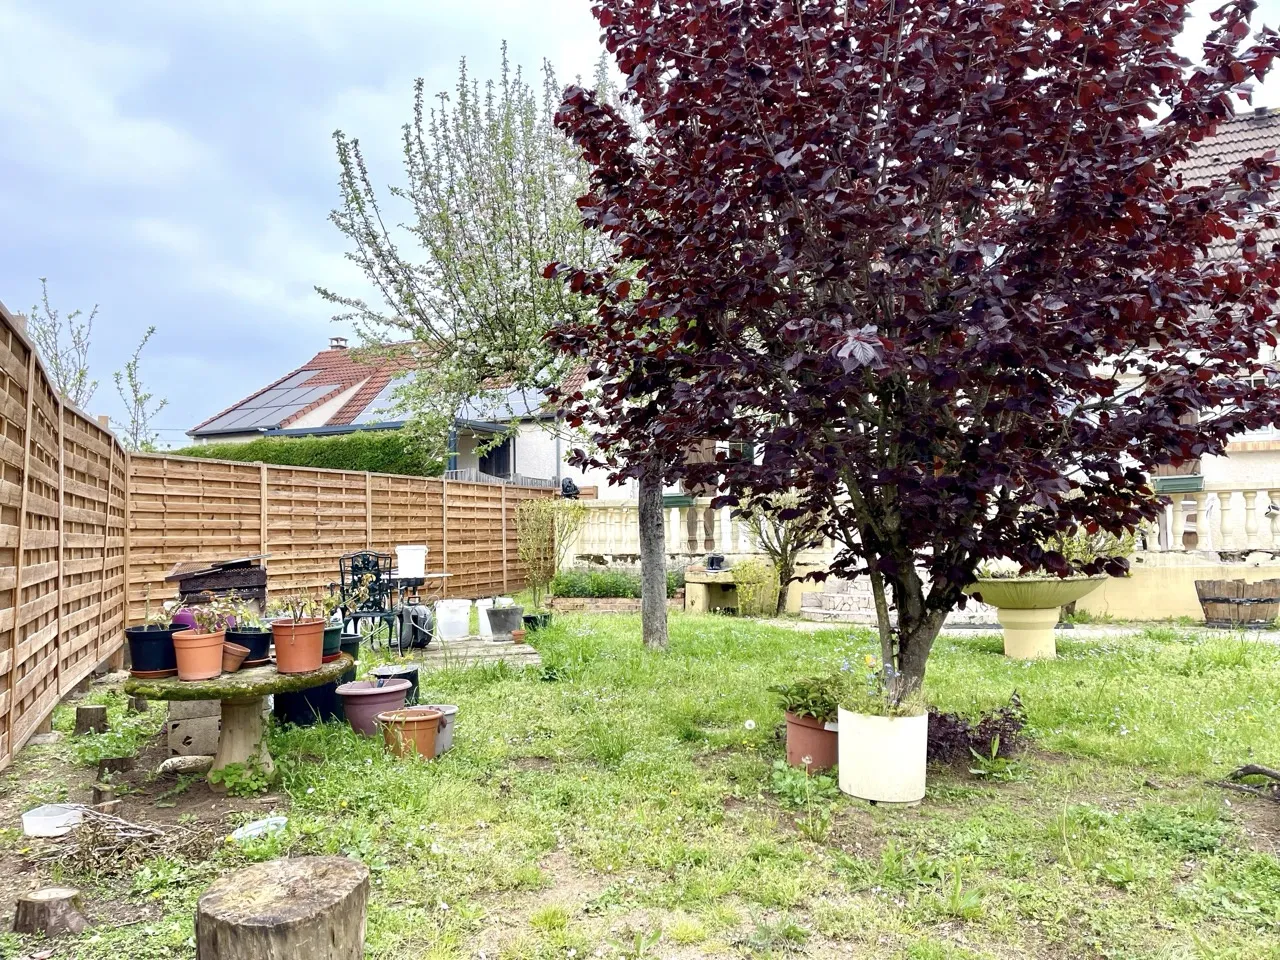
(1221, 518)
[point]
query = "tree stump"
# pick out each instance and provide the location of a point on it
(138, 704)
(51, 911)
(109, 765)
(91, 720)
(103, 793)
(307, 907)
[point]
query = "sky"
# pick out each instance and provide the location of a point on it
(173, 163)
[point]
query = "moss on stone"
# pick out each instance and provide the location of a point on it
(245, 684)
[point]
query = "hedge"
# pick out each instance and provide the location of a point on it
(377, 451)
(607, 583)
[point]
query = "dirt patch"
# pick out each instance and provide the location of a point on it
(1259, 823)
(537, 764)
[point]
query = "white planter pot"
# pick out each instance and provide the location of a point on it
(883, 759)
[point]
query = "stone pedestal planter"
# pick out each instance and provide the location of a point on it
(1027, 608)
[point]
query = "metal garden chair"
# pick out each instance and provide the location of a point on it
(366, 594)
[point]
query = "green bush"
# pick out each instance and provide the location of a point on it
(377, 451)
(606, 583)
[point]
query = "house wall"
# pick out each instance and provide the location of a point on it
(226, 438)
(1250, 463)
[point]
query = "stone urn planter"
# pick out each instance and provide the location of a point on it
(1028, 607)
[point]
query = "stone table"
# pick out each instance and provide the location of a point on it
(242, 694)
(707, 590)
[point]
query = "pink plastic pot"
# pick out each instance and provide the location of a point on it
(363, 700)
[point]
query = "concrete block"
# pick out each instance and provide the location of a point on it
(194, 737)
(187, 709)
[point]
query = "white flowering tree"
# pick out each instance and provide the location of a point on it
(487, 202)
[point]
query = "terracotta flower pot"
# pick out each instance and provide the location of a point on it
(232, 656)
(517, 636)
(199, 654)
(412, 730)
(363, 700)
(299, 644)
(258, 642)
(807, 737)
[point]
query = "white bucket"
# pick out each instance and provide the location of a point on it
(411, 561)
(883, 758)
(482, 608)
(453, 619)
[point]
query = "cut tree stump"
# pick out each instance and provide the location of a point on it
(306, 907)
(91, 720)
(109, 765)
(103, 793)
(138, 704)
(51, 911)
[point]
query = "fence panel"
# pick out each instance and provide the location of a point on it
(63, 496)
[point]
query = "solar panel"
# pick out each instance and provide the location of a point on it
(379, 410)
(272, 407)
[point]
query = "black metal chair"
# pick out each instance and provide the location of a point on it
(365, 592)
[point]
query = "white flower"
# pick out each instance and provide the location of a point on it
(368, 762)
(441, 905)
(806, 760)
(310, 791)
(750, 724)
(571, 953)
(437, 849)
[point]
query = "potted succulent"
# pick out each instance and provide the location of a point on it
(199, 650)
(250, 631)
(884, 736)
(811, 706)
(298, 632)
(151, 653)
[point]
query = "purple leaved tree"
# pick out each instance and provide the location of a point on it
(935, 260)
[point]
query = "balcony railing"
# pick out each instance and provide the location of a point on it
(1232, 518)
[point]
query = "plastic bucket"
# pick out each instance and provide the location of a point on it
(444, 737)
(411, 561)
(453, 619)
(363, 700)
(483, 607)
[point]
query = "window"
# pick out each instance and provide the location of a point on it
(500, 461)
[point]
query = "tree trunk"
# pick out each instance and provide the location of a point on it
(52, 911)
(90, 719)
(786, 573)
(653, 569)
(305, 907)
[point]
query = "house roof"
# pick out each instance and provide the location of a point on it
(333, 373)
(325, 377)
(1246, 135)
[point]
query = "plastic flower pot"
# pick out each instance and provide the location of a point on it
(411, 730)
(311, 706)
(299, 644)
(444, 738)
(883, 759)
(199, 654)
(812, 739)
(363, 700)
(151, 650)
(533, 622)
(332, 640)
(503, 620)
(400, 672)
(258, 643)
(232, 656)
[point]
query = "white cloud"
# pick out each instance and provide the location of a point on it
(61, 105)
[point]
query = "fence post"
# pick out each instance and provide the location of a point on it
(504, 539)
(368, 510)
(62, 539)
(264, 524)
(444, 534)
(117, 658)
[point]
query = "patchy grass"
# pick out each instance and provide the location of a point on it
(621, 801)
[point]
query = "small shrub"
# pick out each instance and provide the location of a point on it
(996, 735)
(817, 697)
(377, 451)
(757, 585)
(617, 583)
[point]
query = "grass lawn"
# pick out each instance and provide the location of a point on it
(621, 803)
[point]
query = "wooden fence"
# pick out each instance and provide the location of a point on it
(63, 490)
(187, 508)
(87, 530)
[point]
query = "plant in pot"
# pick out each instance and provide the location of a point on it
(249, 630)
(151, 653)
(199, 650)
(1028, 605)
(546, 529)
(298, 632)
(811, 707)
(504, 620)
(884, 735)
(329, 603)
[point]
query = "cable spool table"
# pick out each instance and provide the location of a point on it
(242, 694)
